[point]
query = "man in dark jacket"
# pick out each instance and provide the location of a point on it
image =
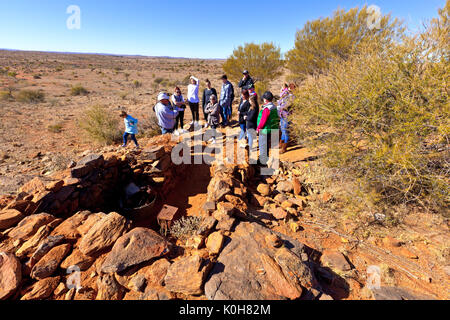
(247, 82)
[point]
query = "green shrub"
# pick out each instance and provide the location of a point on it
(136, 84)
(100, 125)
(12, 74)
(262, 60)
(78, 90)
(387, 114)
(31, 96)
(329, 39)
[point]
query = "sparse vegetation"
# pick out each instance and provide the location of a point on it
(186, 227)
(78, 90)
(31, 96)
(55, 128)
(100, 125)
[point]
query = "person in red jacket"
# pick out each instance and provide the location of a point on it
(268, 122)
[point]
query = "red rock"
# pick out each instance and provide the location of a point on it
(47, 266)
(69, 228)
(108, 288)
(264, 189)
(24, 206)
(28, 226)
(137, 246)
(103, 234)
(187, 275)
(281, 285)
(78, 259)
(55, 186)
(32, 244)
(156, 273)
(42, 289)
(279, 213)
(215, 242)
(34, 186)
(297, 186)
(335, 260)
(391, 242)
(9, 218)
(10, 275)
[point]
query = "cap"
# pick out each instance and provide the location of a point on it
(163, 96)
(268, 96)
(245, 72)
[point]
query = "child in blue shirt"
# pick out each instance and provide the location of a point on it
(130, 129)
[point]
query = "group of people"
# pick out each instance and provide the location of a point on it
(217, 110)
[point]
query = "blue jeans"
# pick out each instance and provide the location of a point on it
(166, 131)
(284, 124)
(133, 138)
(251, 135)
(243, 131)
(225, 111)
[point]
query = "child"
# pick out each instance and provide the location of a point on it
(130, 129)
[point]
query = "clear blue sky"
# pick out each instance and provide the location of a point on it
(181, 28)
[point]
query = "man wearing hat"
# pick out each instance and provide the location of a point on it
(247, 82)
(226, 96)
(165, 113)
(268, 122)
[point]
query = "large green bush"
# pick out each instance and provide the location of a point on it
(386, 112)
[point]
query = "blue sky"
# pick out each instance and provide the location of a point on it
(179, 28)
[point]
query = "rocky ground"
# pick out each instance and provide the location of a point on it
(64, 237)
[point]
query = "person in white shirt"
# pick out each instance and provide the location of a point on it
(180, 104)
(193, 100)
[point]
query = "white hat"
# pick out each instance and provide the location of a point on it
(163, 96)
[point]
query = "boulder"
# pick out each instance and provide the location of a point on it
(279, 213)
(335, 261)
(155, 273)
(108, 288)
(42, 289)
(69, 228)
(285, 187)
(86, 165)
(10, 275)
(9, 218)
(187, 275)
(44, 247)
(297, 186)
(214, 243)
(50, 262)
(103, 234)
(264, 189)
(78, 259)
(28, 226)
(218, 189)
(34, 186)
(89, 222)
(153, 153)
(248, 268)
(137, 246)
(32, 244)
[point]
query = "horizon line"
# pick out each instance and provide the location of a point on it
(109, 54)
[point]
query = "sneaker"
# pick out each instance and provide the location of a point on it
(176, 133)
(191, 123)
(242, 145)
(124, 146)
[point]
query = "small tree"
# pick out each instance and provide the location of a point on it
(262, 60)
(323, 41)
